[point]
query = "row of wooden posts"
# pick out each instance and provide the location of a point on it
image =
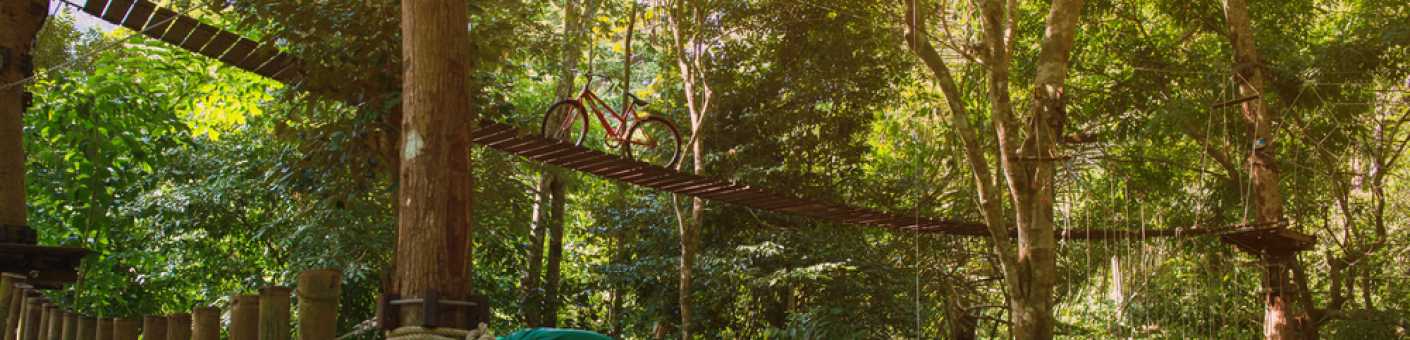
(266, 316)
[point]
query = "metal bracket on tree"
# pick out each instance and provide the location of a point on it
(475, 311)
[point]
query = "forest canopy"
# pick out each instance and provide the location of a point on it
(192, 180)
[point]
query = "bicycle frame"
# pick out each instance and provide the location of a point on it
(595, 104)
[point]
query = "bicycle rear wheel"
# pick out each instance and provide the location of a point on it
(565, 121)
(654, 141)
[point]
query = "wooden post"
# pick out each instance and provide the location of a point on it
(433, 203)
(318, 304)
(178, 326)
(33, 318)
(15, 312)
(70, 326)
(125, 329)
(274, 313)
(244, 317)
(8, 303)
(205, 323)
(105, 329)
(21, 20)
(87, 327)
(153, 327)
(53, 322)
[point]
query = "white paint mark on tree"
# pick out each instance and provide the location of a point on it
(411, 147)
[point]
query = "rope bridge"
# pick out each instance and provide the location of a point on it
(266, 60)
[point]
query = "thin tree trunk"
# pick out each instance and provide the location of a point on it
(532, 294)
(1280, 312)
(555, 256)
(685, 31)
(542, 309)
(1029, 269)
(21, 20)
(433, 222)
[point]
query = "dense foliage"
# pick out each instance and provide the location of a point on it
(193, 181)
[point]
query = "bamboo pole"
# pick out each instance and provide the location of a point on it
(86, 327)
(244, 318)
(53, 322)
(205, 323)
(70, 326)
(125, 329)
(178, 326)
(153, 327)
(105, 329)
(274, 313)
(318, 304)
(33, 318)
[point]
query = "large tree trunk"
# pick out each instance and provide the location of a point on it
(1027, 165)
(1281, 314)
(21, 20)
(434, 224)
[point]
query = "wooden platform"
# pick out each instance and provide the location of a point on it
(45, 267)
(1267, 241)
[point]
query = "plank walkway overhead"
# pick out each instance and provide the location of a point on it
(266, 60)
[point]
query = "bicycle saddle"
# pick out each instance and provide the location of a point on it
(637, 101)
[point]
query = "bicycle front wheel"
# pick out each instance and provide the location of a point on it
(565, 121)
(654, 141)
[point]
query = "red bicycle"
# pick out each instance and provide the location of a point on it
(643, 137)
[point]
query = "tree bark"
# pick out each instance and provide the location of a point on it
(434, 217)
(22, 20)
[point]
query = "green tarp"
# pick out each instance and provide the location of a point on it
(553, 334)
